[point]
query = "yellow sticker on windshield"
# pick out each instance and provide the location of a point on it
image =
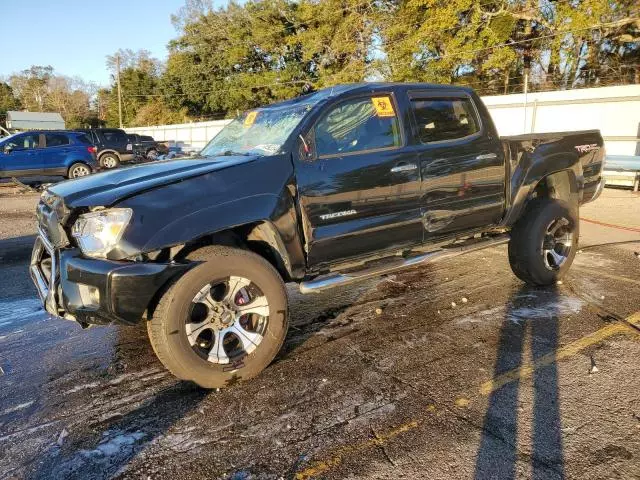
(383, 106)
(250, 118)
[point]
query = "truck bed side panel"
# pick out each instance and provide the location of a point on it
(535, 156)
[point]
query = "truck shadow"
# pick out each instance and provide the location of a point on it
(498, 454)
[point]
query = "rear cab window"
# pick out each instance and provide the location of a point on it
(358, 125)
(444, 118)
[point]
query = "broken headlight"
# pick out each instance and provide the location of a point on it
(99, 232)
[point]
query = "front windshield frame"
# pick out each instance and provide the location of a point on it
(224, 142)
(8, 137)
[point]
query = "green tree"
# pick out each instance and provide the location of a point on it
(236, 57)
(488, 44)
(255, 53)
(139, 76)
(40, 89)
(8, 100)
(31, 87)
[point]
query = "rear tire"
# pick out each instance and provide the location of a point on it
(109, 161)
(152, 154)
(78, 170)
(217, 349)
(544, 242)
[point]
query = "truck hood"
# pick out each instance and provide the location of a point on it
(107, 188)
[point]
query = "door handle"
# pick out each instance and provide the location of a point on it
(404, 167)
(487, 156)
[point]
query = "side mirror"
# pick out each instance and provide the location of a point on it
(8, 149)
(306, 148)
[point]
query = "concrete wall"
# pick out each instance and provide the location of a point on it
(615, 111)
(187, 136)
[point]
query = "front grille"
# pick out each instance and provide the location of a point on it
(49, 223)
(44, 272)
(45, 266)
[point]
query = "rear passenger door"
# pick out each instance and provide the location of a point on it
(461, 164)
(56, 150)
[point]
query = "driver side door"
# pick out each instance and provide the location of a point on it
(23, 158)
(360, 190)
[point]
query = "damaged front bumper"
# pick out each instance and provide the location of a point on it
(96, 291)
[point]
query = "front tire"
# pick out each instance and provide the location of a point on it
(544, 242)
(223, 321)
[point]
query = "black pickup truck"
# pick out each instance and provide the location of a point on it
(145, 147)
(326, 189)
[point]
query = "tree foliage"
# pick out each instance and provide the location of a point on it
(8, 100)
(257, 52)
(241, 56)
(40, 89)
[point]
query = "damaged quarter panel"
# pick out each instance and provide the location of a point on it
(185, 211)
(540, 155)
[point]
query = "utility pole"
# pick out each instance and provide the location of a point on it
(119, 90)
(526, 91)
(526, 58)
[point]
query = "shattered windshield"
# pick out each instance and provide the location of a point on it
(257, 132)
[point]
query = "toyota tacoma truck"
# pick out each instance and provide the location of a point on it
(343, 184)
(146, 148)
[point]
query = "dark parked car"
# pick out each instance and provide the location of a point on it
(344, 184)
(144, 146)
(35, 153)
(114, 146)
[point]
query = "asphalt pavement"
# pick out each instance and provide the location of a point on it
(455, 370)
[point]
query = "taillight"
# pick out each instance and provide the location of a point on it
(92, 149)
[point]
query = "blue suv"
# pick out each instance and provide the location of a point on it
(65, 153)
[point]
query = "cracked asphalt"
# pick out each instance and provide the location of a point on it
(455, 370)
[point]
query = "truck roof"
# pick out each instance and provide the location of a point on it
(363, 87)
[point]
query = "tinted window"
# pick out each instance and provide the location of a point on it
(115, 137)
(24, 142)
(445, 119)
(357, 125)
(56, 139)
(146, 138)
(83, 138)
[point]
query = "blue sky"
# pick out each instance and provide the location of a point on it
(75, 36)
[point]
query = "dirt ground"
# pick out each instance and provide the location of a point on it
(465, 373)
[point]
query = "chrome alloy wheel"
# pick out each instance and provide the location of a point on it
(80, 171)
(109, 162)
(227, 320)
(557, 243)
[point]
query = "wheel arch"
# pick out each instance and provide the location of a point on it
(561, 185)
(564, 182)
(261, 237)
(108, 150)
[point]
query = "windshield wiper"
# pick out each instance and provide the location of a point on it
(230, 153)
